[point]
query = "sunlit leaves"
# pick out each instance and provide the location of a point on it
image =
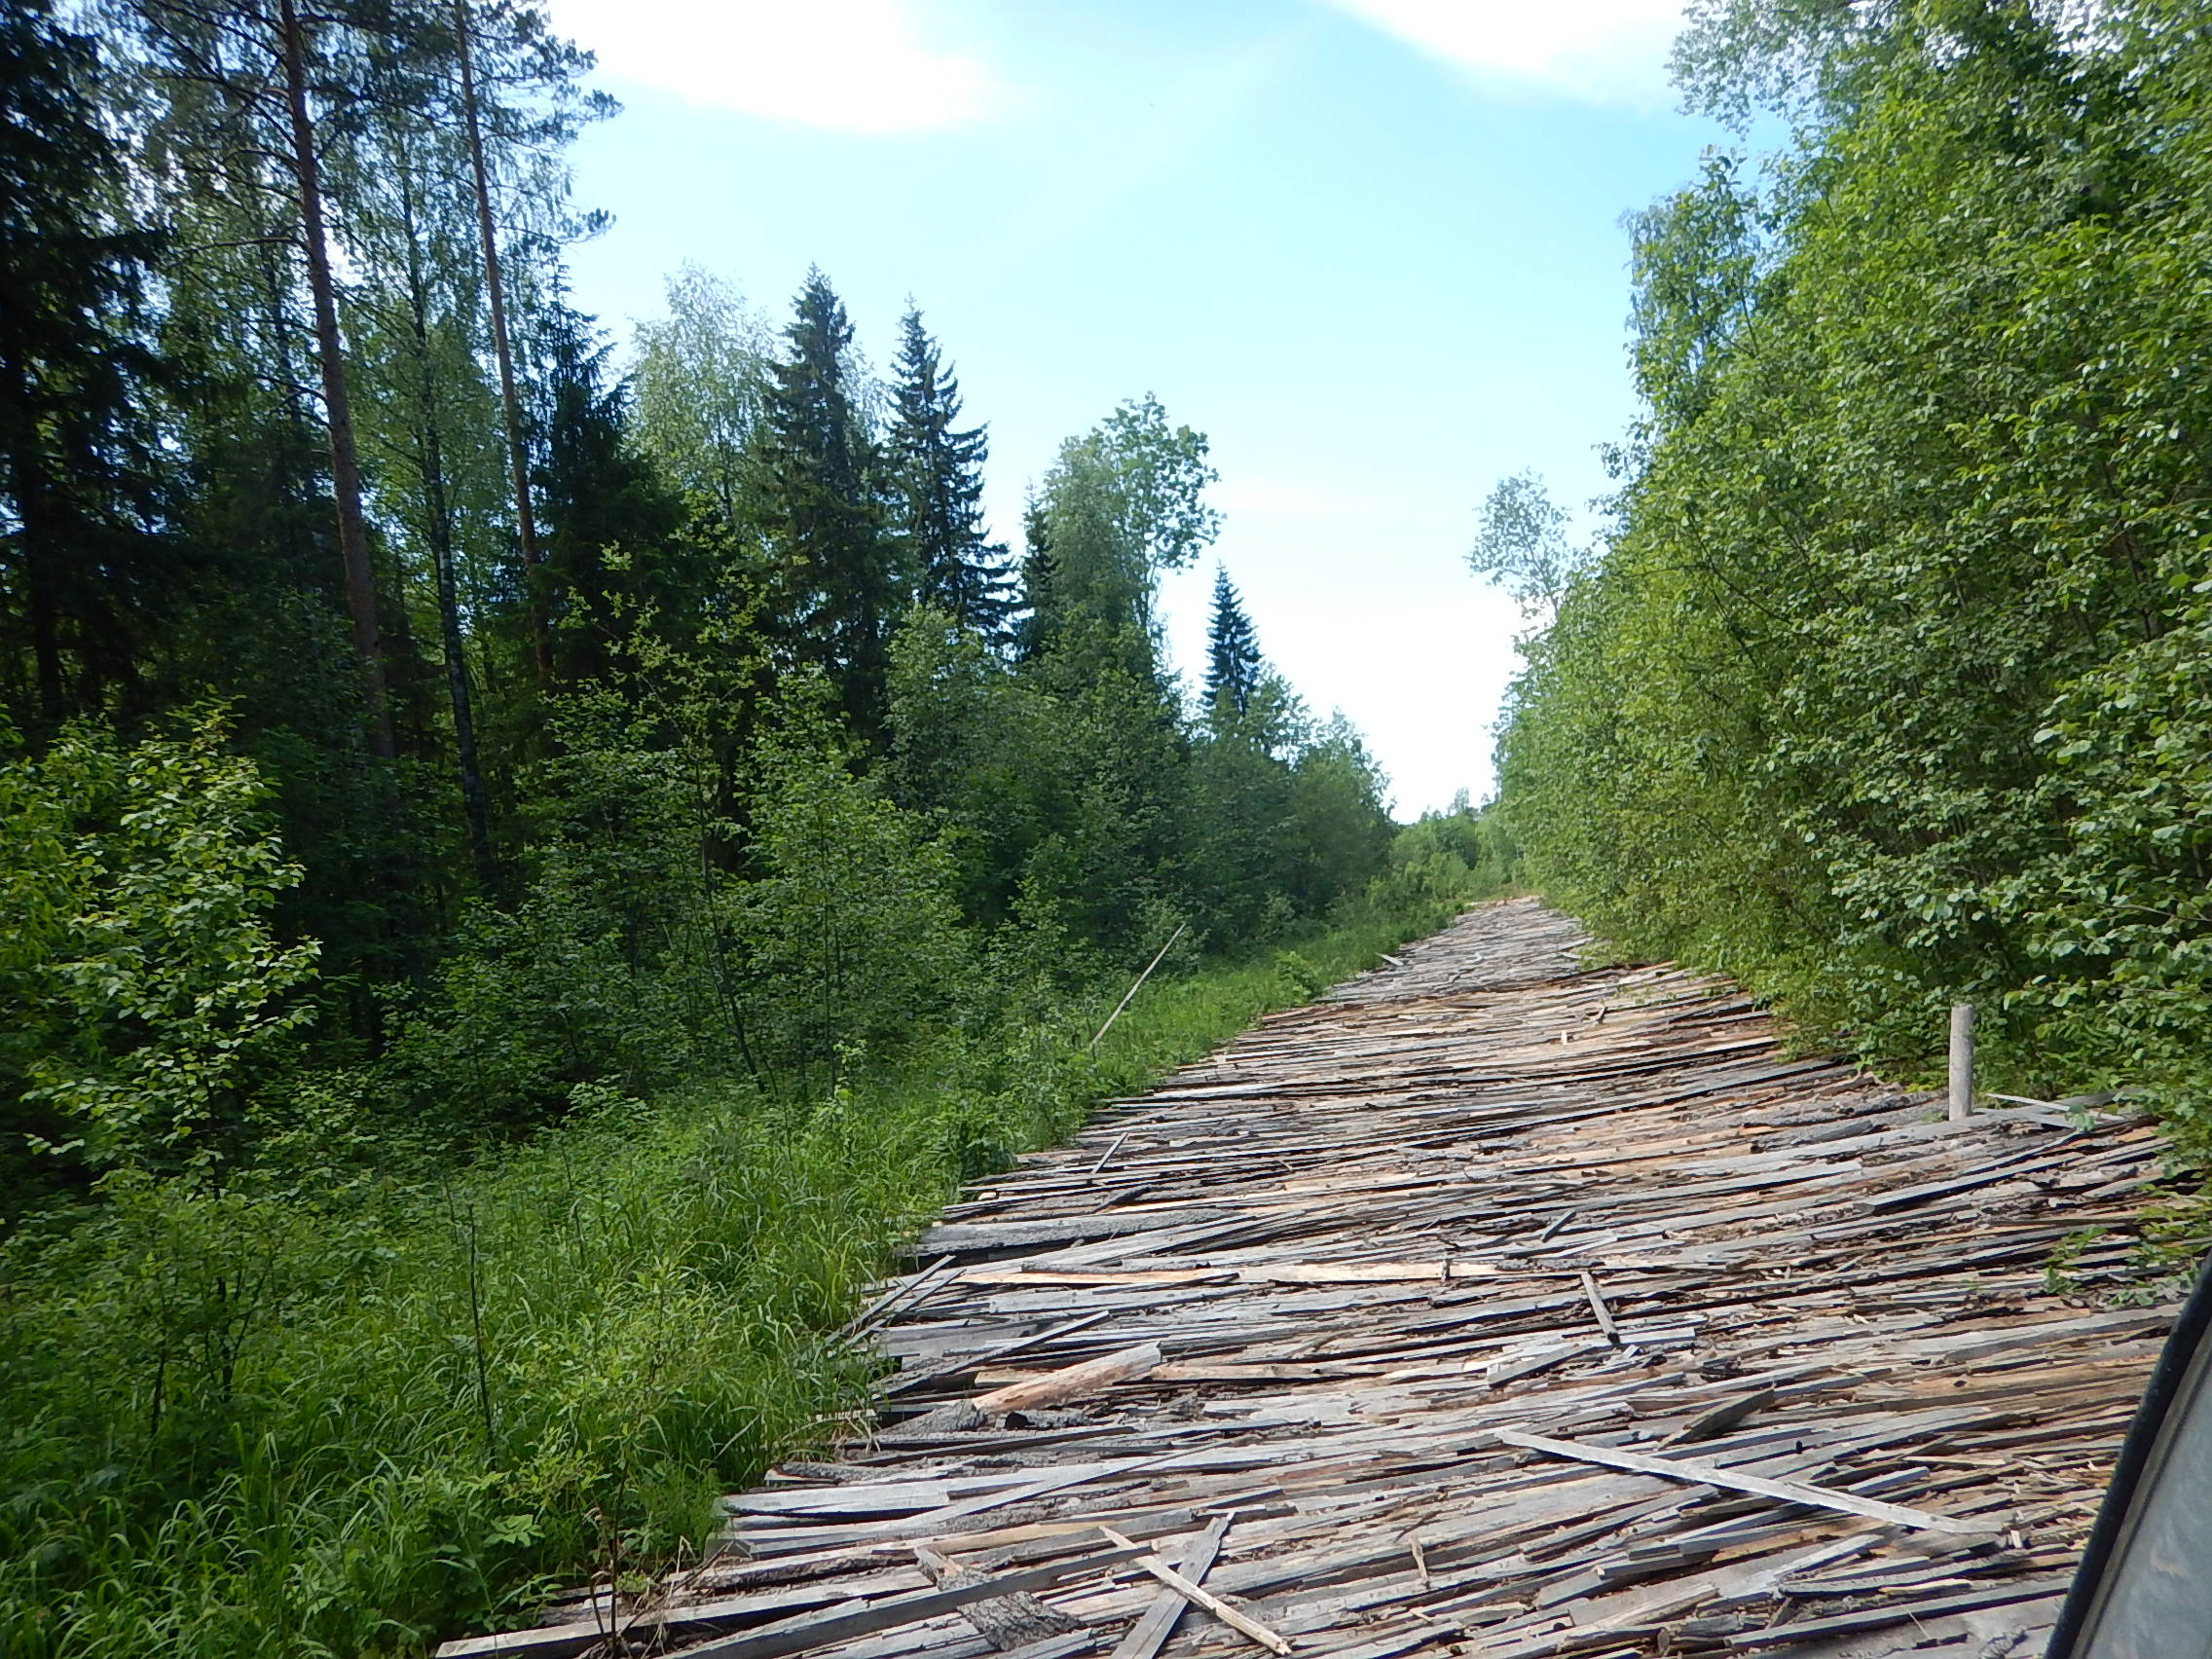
(1888, 689)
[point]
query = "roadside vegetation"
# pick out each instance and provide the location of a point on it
(1885, 684)
(530, 862)
(337, 1399)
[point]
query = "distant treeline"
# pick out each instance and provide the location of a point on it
(512, 721)
(1891, 680)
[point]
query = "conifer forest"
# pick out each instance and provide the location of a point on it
(534, 853)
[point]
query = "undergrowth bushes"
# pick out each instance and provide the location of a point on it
(325, 1409)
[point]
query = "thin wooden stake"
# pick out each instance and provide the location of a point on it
(1116, 1147)
(1158, 1622)
(1962, 1060)
(1141, 979)
(1597, 1307)
(1206, 1598)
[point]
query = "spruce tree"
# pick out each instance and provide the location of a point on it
(612, 560)
(1036, 608)
(824, 512)
(82, 562)
(937, 476)
(1232, 653)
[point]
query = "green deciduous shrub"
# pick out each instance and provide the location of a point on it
(1888, 687)
(136, 964)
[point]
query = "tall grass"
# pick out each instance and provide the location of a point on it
(335, 1415)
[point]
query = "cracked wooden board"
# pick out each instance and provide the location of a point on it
(1376, 1231)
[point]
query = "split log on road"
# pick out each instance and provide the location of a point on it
(1073, 1383)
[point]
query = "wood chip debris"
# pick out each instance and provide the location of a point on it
(1399, 1326)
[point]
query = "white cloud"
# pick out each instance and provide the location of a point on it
(855, 65)
(1606, 50)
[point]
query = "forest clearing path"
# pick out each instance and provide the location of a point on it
(1350, 1319)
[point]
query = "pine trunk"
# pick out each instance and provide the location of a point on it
(518, 455)
(437, 527)
(338, 408)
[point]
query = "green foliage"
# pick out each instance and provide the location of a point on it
(263, 1421)
(702, 377)
(312, 1411)
(138, 964)
(936, 487)
(1444, 861)
(1884, 691)
(82, 563)
(1521, 543)
(1123, 504)
(848, 928)
(1233, 654)
(824, 512)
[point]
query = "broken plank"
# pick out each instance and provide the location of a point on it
(1901, 1611)
(1008, 1622)
(1157, 1623)
(969, 1362)
(1199, 1597)
(1597, 1307)
(1073, 1383)
(1713, 1474)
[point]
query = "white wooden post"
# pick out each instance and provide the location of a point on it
(1962, 1060)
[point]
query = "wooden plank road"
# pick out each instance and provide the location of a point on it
(1494, 1304)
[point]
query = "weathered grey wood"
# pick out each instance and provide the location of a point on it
(563, 1641)
(902, 1383)
(1200, 1597)
(1832, 1289)
(1007, 1622)
(1598, 1307)
(1722, 1417)
(1901, 1611)
(1158, 1622)
(929, 1522)
(1712, 1474)
(1961, 1080)
(907, 1290)
(796, 1636)
(1075, 1383)
(1139, 985)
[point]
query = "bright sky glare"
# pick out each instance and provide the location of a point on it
(1372, 247)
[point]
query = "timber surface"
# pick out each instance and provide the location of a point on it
(1490, 1190)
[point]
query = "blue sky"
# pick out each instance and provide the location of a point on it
(1372, 247)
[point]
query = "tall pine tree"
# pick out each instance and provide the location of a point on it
(824, 511)
(936, 477)
(1232, 653)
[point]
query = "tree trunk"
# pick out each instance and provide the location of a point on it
(438, 516)
(437, 530)
(338, 408)
(518, 456)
